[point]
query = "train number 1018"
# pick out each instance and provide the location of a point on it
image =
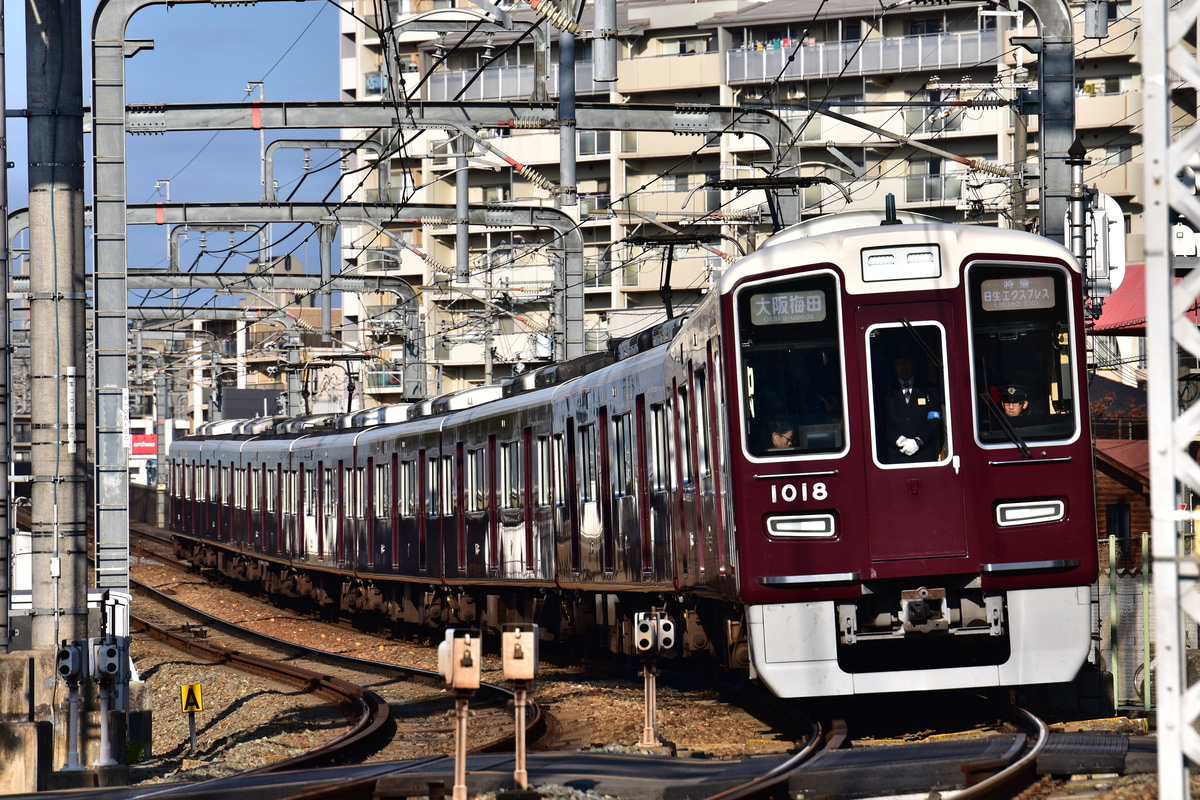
(791, 492)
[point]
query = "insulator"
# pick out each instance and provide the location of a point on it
(538, 180)
(437, 266)
(556, 16)
(531, 124)
(991, 169)
(434, 221)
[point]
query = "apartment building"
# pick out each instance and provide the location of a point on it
(920, 102)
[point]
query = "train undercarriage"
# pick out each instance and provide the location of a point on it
(587, 620)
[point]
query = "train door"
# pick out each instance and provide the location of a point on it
(914, 465)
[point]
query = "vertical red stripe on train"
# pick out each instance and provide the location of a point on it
(339, 517)
(394, 511)
(368, 507)
(461, 517)
(641, 470)
(492, 512)
(320, 509)
(715, 386)
(527, 472)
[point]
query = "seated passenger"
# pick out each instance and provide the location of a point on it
(783, 435)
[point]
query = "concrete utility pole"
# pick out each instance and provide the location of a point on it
(57, 302)
(6, 526)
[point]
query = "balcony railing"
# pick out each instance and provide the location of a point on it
(506, 83)
(932, 188)
(876, 56)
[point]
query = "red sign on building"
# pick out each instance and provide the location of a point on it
(145, 444)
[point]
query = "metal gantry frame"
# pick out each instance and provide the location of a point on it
(1167, 61)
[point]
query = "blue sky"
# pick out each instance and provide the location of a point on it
(202, 54)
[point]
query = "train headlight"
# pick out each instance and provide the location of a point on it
(806, 526)
(1030, 512)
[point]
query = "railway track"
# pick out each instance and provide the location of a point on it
(1001, 763)
(374, 691)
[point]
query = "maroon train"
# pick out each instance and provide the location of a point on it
(755, 471)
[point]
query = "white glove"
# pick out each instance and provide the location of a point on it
(907, 446)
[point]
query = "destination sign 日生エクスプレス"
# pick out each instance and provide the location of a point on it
(1011, 294)
(781, 308)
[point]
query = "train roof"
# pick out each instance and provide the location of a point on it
(840, 239)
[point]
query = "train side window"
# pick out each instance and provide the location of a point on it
(272, 489)
(408, 488)
(1023, 356)
(685, 437)
(476, 479)
(560, 468)
(704, 429)
(432, 499)
(587, 461)
(660, 449)
(623, 454)
(383, 491)
(543, 478)
(310, 491)
(512, 494)
(289, 491)
(330, 491)
(449, 493)
(255, 490)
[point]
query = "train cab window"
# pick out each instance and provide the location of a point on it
(1022, 353)
(792, 386)
(908, 390)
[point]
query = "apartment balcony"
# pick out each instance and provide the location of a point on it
(1119, 180)
(506, 348)
(1108, 111)
(929, 53)
(666, 73)
(505, 83)
(692, 202)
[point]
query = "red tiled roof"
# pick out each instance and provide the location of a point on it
(1124, 311)
(1132, 454)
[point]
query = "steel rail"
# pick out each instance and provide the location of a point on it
(369, 711)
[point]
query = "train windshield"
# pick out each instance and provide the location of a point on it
(792, 388)
(1024, 374)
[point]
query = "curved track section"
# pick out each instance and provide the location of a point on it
(396, 684)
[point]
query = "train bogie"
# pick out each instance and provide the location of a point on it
(860, 465)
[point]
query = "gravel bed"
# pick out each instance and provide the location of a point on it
(272, 723)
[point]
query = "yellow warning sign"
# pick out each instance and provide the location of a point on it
(190, 698)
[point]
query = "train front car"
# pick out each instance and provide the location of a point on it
(910, 458)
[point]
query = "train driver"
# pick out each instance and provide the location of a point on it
(913, 414)
(1014, 399)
